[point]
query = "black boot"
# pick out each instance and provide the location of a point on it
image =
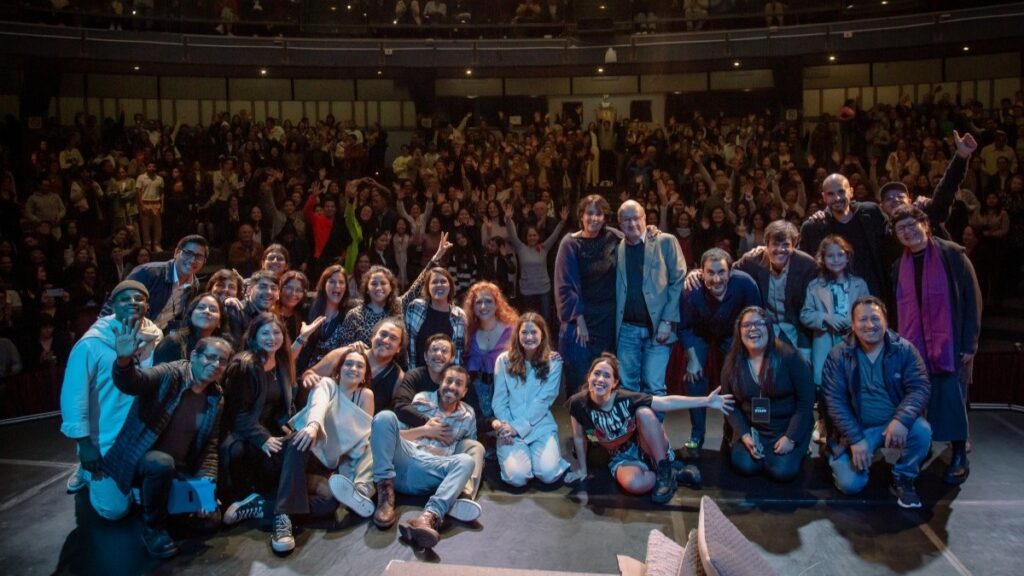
(959, 468)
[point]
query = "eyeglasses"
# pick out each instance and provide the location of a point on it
(190, 255)
(213, 358)
(756, 325)
(904, 228)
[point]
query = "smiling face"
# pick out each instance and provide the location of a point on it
(209, 365)
(716, 277)
(754, 332)
(601, 381)
(869, 325)
(265, 294)
(269, 338)
(439, 354)
(292, 293)
(632, 220)
(378, 288)
(352, 371)
(386, 342)
(836, 259)
(779, 252)
(530, 337)
(130, 305)
(836, 194)
(593, 219)
(913, 234)
(206, 314)
(485, 305)
(439, 288)
(226, 288)
(452, 389)
(335, 287)
(276, 262)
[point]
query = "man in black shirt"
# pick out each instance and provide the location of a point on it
(440, 351)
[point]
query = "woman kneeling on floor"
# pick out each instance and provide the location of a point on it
(774, 389)
(625, 423)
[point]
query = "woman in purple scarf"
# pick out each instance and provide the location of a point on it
(938, 305)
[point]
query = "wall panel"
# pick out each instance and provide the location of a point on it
(837, 75)
(324, 89)
(915, 71)
(193, 87)
(537, 86)
(985, 66)
(588, 85)
(742, 80)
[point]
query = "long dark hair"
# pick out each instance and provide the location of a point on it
(735, 361)
(391, 305)
(541, 361)
(283, 356)
(320, 301)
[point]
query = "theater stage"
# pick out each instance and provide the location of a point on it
(805, 528)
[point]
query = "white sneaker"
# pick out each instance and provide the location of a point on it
(76, 481)
(344, 491)
(465, 510)
(252, 508)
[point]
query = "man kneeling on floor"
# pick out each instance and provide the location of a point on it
(171, 430)
(876, 389)
(411, 463)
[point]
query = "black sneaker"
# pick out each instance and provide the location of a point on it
(906, 495)
(282, 541)
(665, 486)
(689, 475)
(248, 509)
(158, 542)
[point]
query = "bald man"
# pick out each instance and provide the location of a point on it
(862, 224)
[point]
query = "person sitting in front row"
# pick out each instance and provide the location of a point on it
(772, 384)
(876, 390)
(407, 461)
(625, 423)
(171, 430)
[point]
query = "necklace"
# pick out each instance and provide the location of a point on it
(488, 339)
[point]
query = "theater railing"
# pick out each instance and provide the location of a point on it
(999, 23)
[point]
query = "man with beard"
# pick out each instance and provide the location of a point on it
(262, 296)
(862, 224)
(412, 463)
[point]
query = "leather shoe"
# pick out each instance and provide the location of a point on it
(958, 470)
(422, 530)
(158, 542)
(384, 515)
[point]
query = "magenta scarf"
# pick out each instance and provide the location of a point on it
(931, 332)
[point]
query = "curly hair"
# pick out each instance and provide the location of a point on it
(391, 301)
(503, 311)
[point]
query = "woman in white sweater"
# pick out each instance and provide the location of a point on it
(526, 382)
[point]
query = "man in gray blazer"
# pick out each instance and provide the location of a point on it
(650, 281)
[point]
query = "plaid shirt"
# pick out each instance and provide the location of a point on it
(462, 422)
(416, 313)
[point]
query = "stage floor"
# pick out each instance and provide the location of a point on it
(803, 528)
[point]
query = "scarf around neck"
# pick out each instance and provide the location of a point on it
(931, 332)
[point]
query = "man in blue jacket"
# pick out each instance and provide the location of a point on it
(876, 389)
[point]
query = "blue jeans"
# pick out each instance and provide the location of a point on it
(642, 361)
(849, 480)
(416, 471)
(699, 416)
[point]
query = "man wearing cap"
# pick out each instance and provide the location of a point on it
(937, 207)
(991, 154)
(92, 408)
(171, 284)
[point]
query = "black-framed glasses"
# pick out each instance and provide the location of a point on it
(192, 255)
(755, 325)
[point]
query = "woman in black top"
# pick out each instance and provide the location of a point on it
(774, 390)
(204, 319)
(258, 404)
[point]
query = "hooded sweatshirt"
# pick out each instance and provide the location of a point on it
(90, 404)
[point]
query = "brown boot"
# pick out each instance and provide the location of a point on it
(384, 515)
(422, 530)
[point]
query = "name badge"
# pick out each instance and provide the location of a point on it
(760, 410)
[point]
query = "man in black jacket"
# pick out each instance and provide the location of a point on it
(172, 428)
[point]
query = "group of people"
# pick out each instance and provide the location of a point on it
(741, 256)
(293, 415)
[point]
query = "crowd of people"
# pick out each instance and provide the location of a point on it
(232, 299)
